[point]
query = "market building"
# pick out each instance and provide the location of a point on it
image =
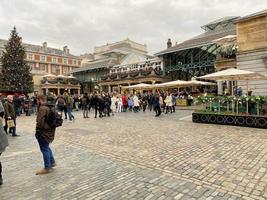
(45, 60)
(148, 71)
(117, 64)
(230, 42)
(201, 54)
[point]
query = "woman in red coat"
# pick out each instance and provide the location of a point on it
(124, 102)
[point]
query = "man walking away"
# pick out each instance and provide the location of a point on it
(61, 105)
(95, 103)
(156, 104)
(85, 105)
(44, 135)
(69, 106)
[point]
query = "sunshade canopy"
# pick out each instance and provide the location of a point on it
(49, 75)
(233, 74)
(138, 86)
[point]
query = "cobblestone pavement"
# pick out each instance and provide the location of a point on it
(138, 156)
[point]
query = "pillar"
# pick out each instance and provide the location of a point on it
(49, 69)
(37, 66)
(220, 88)
(228, 83)
(46, 91)
(119, 89)
(79, 92)
(109, 89)
(58, 91)
(61, 70)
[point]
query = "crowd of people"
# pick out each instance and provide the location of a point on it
(103, 104)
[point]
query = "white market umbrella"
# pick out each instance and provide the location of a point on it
(61, 76)
(233, 74)
(176, 83)
(71, 77)
(49, 75)
(138, 86)
(195, 82)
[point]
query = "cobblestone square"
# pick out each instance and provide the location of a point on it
(138, 156)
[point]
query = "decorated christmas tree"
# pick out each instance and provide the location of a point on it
(15, 76)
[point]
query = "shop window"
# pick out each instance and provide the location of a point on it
(43, 58)
(30, 56)
(54, 60)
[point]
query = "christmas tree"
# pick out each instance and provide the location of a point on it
(15, 76)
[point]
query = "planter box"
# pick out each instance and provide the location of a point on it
(234, 120)
(181, 102)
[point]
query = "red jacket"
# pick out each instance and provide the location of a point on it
(124, 100)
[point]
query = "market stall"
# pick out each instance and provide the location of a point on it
(246, 110)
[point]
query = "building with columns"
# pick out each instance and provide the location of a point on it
(149, 71)
(99, 68)
(45, 60)
(229, 42)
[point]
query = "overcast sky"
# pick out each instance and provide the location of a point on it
(83, 24)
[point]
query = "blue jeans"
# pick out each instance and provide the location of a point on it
(46, 151)
(69, 109)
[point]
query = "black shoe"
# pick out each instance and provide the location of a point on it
(1, 180)
(15, 135)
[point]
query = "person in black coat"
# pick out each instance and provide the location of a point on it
(156, 104)
(95, 103)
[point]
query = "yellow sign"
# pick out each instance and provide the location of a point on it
(181, 102)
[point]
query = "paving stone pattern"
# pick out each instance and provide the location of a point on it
(138, 156)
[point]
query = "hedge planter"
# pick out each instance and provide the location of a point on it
(235, 120)
(123, 75)
(113, 76)
(134, 74)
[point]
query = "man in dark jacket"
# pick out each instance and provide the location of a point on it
(156, 104)
(10, 114)
(95, 102)
(44, 135)
(85, 105)
(3, 139)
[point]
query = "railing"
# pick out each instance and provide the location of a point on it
(131, 74)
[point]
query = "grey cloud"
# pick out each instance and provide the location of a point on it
(83, 24)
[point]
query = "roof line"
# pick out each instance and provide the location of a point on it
(174, 50)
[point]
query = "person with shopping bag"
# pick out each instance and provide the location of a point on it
(10, 116)
(3, 139)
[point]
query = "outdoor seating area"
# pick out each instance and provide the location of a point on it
(245, 110)
(184, 98)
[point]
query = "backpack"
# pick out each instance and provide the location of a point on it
(61, 101)
(54, 119)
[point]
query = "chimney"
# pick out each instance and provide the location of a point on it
(66, 49)
(169, 43)
(44, 44)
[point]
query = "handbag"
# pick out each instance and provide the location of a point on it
(3, 139)
(10, 123)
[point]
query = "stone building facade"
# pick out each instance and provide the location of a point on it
(45, 60)
(96, 67)
(252, 49)
(149, 71)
